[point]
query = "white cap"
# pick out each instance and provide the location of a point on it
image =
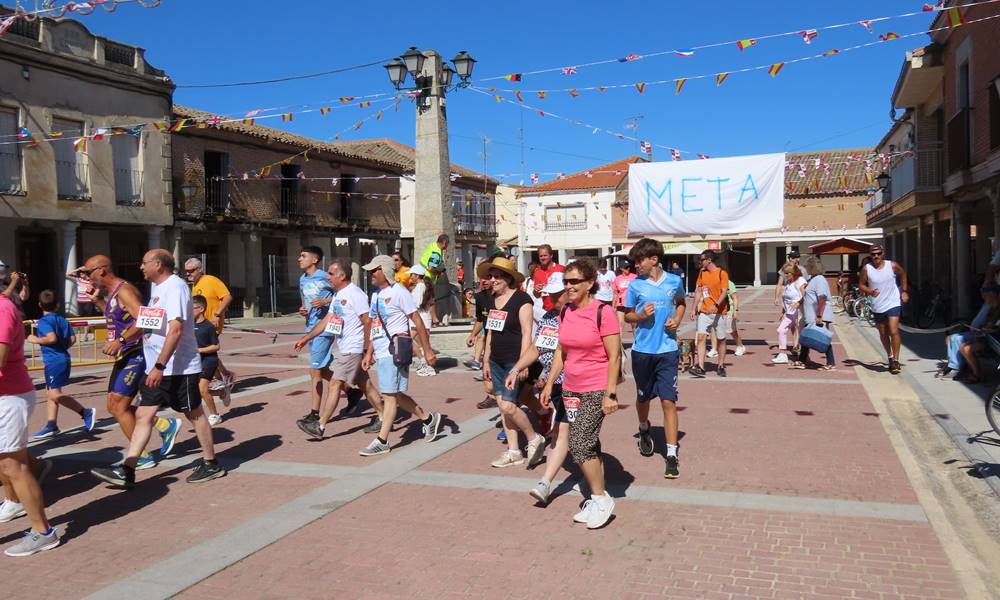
(418, 270)
(555, 284)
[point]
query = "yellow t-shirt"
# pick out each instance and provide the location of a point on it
(212, 288)
(403, 276)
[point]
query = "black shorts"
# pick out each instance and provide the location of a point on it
(209, 364)
(557, 404)
(534, 371)
(179, 392)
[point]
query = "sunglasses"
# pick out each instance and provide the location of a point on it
(574, 281)
(875, 253)
(189, 271)
(496, 276)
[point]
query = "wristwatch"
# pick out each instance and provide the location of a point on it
(121, 339)
(613, 396)
(160, 366)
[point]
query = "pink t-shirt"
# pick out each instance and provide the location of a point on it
(586, 362)
(14, 378)
(620, 287)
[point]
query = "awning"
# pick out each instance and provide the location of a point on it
(842, 245)
(690, 247)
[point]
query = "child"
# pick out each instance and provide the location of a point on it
(208, 347)
(55, 336)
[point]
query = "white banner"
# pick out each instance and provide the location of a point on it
(742, 194)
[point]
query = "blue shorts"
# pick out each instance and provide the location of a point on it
(128, 373)
(498, 374)
(391, 379)
(57, 374)
(320, 355)
(655, 375)
(882, 317)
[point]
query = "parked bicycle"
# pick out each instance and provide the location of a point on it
(993, 410)
(934, 308)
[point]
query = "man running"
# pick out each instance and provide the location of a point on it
(540, 278)
(655, 305)
(219, 298)
(710, 307)
(173, 368)
(316, 295)
(346, 321)
(120, 306)
(388, 335)
(878, 279)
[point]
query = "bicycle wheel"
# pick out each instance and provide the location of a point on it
(993, 410)
(927, 317)
(850, 307)
(866, 313)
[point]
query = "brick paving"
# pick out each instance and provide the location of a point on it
(434, 520)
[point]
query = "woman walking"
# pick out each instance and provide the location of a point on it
(422, 291)
(589, 358)
(817, 309)
(791, 301)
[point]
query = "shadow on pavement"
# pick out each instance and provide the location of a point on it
(244, 410)
(232, 458)
(874, 367)
(251, 382)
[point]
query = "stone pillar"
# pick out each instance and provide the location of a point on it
(756, 263)
(354, 250)
(563, 256)
(154, 237)
(70, 262)
(179, 247)
(469, 262)
(432, 201)
(961, 270)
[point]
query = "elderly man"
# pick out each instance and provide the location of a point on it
(217, 296)
(963, 346)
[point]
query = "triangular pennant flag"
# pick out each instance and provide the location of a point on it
(177, 126)
(80, 145)
(629, 58)
(59, 134)
(513, 77)
(775, 69)
(358, 125)
(601, 88)
(679, 84)
(365, 104)
(640, 86)
(346, 99)
(675, 154)
(378, 116)
(569, 71)
(888, 36)
(157, 126)
(867, 25)
(930, 7)
(704, 157)
(720, 78)
(744, 44)
(305, 154)
(517, 94)
(498, 97)
(955, 18)
(247, 122)
(540, 113)
(808, 35)
(287, 117)
(574, 93)
(831, 52)
(324, 110)
(23, 134)
(542, 94)
(684, 53)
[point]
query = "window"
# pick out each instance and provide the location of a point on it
(290, 189)
(347, 188)
(128, 175)
(71, 166)
(566, 218)
(216, 182)
(995, 114)
(10, 154)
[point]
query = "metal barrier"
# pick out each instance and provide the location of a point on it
(90, 336)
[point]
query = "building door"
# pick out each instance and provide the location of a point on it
(36, 257)
(278, 296)
(740, 259)
(126, 256)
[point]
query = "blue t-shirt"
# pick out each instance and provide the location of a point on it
(57, 324)
(650, 335)
(312, 287)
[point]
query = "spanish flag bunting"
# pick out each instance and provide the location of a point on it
(843, 181)
(286, 161)
(640, 86)
(517, 94)
(541, 95)
(247, 122)
(378, 116)
(744, 44)
(266, 171)
(888, 36)
(286, 117)
(869, 176)
(498, 97)
(201, 125)
(955, 18)
(346, 99)
(720, 78)
(365, 104)
(358, 125)
(679, 84)
(831, 52)
(178, 125)
(574, 93)
(601, 88)
(775, 69)
(59, 134)
(324, 110)
(80, 144)
(513, 77)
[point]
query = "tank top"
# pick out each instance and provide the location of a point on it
(120, 320)
(883, 280)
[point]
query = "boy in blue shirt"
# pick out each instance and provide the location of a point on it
(654, 303)
(55, 336)
(316, 295)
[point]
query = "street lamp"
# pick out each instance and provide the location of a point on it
(463, 65)
(883, 180)
(447, 73)
(188, 190)
(397, 72)
(414, 61)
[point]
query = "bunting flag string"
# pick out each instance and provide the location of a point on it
(742, 43)
(58, 12)
(771, 68)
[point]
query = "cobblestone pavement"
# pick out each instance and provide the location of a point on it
(791, 487)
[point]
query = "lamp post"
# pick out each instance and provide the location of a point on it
(432, 78)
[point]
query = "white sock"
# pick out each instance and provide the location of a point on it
(671, 450)
(644, 426)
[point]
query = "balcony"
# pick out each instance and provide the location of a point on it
(71, 180)
(128, 187)
(915, 189)
(10, 172)
(475, 225)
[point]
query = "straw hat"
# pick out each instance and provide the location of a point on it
(500, 264)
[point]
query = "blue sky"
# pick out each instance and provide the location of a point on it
(839, 102)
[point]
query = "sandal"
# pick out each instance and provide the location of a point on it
(828, 368)
(798, 365)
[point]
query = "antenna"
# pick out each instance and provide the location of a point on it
(486, 141)
(633, 124)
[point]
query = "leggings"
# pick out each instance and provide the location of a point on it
(789, 321)
(585, 429)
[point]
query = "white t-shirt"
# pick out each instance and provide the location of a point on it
(392, 306)
(791, 294)
(174, 297)
(606, 282)
(349, 304)
(417, 293)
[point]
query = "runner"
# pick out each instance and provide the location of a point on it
(540, 278)
(589, 358)
(478, 339)
(17, 402)
(508, 337)
(622, 281)
(422, 292)
(173, 368)
(217, 296)
(710, 306)
(655, 303)
(390, 350)
(878, 280)
(120, 306)
(208, 352)
(316, 295)
(606, 282)
(347, 320)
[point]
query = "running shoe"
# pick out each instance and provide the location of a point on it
(89, 419)
(671, 471)
(473, 365)
(216, 385)
(713, 353)
(697, 371)
(229, 380)
(894, 366)
(147, 460)
(227, 396)
(11, 510)
(33, 542)
(646, 447)
(214, 420)
(432, 429)
(169, 436)
(584, 514)
(943, 372)
(781, 359)
(487, 402)
(310, 428)
(721, 371)
(206, 471)
(374, 426)
(375, 448)
(541, 491)
(797, 364)
(536, 450)
(510, 458)
(600, 512)
(502, 436)
(118, 475)
(741, 350)
(50, 430)
(310, 416)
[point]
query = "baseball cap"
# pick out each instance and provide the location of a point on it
(555, 284)
(417, 270)
(382, 261)
(794, 254)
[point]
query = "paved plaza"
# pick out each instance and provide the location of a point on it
(794, 484)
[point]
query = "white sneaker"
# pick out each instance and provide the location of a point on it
(536, 450)
(510, 458)
(713, 353)
(214, 420)
(10, 511)
(216, 385)
(600, 513)
(741, 350)
(584, 514)
(375, 448)
(780, 359)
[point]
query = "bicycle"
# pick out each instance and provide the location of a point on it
(993, 410)
(934, 310)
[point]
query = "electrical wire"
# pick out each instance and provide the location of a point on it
(282, 79)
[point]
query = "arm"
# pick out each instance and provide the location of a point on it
(904, 282)
(15, 279)
(524, 315)
(317, 329)
(223, 307)
(25, 293)
(613, 347)
(366, 359)
(423, 337)
(679, 307)
(72, 342)
(486, 354)
(863, 282)
(633, 316)
(778, 287)
(477, 326)
(46, 340)
(174, 330)
(210, 349)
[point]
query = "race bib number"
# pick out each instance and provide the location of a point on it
(377, 331)
(572, 407)
(334, 325)
(704, 292)
(496, 319)
(150, 318)
(548, 338)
